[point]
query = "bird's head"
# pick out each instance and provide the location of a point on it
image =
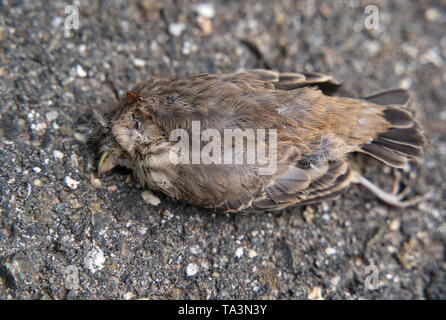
(126, 135)
(107, 144)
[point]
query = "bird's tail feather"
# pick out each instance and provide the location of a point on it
(404, 139)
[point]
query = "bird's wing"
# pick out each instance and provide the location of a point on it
(296, 186)
(217, 100)
(293, 80)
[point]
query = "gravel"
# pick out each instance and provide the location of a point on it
(67, 234)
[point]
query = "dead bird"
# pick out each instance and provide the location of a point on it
(315, 133)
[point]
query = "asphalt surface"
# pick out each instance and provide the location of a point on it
(65, 234)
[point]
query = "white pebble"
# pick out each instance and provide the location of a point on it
(31, 115)
(194, 250)
(186, 49)
(51, 116)
(372, 47)
(432, 14)
(71, 183)
(330, 251)
(239, 252)
(191, 269)
(432, 56)
(58, 155)
(37, 169)
(56, 21)
(81, 71)
(252, 253)
(206, 10)
(94, 260)
(335, 281)
(406, 83)
(139, 62)
(176, 28)
(150, 198)
(315, 294)
(82, 49)
(129, 295)
(395, 225)
(41, 126)
(325, 207)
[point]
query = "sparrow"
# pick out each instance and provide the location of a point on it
(315, 134)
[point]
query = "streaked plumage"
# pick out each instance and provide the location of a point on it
(316, 132)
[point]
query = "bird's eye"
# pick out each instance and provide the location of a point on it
(136, 124)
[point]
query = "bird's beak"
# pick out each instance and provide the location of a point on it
(106, 163)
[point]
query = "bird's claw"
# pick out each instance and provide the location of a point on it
(394, 198)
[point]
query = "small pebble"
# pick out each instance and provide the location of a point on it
(432, 14)
(74, 159)
(391, 249)
(139, 62)
(205, 25)
(335, 281)
(129, 295)
(94, 260)
(432, 56)
(82, 48)
(80, 71)
(39, 127)
(95, 182)
(112, 188)
(176, 28)
(308, 214)
(239, 252)
(37, 169)
(406, 83)
(167, 214)
(330, 251)
(395, 225)
(51, 116)
(31, 115)
(325, 207)
(191, 269)
(315, 294)
(372, 47)
(186, 49)
(252, 253)
(71, 183)
(206, 10)
(58, 155)
(150, 198)
(80, 137)
(56, 21)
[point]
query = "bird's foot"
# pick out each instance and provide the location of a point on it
(394, 198)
